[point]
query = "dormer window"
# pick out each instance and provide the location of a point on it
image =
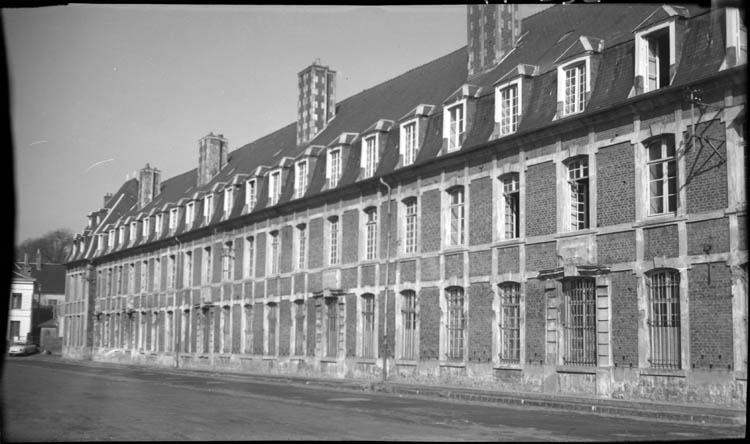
(454, 125)
(122, 235)
(274, 187)
(370, 155)
(158, 223)
(101, 241)
(334, 167)
(189, 213)
(508, 107)
(654, 55)
(409, 141)
(133, 230)
(172, 219)
(208, 207)
(111, 238)
(251, 188)
(228, 200)
(736, 37)
(573, 84)
(300, 178)
(146, 226)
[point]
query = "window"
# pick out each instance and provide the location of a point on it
(15, 330)
(333, 240)
(157, 274)
(334, 167)
(574, 77)
(409, 325)
(410, 225)
(510, 323)
(371, 233)
(250, 194)
(664, 319)
(144, 276)
(146, 226)
(274, 187)
(370, 155)
(172, 219)
(208, 208)
(456, 217)
(171, 272)
(508, 108)
(456, 126)
(249, 259)
(578, 179)
(189, 213)
(299, 328)
(657, 59)
(409, 142)
(368, 326)
(109, 285)
(228, 200)
(455, 325)
(133, 230)
(332, 330)
(579, 322)
(737, 34)
(511, 206)
(187, 277)
(131, 278)
(15, 301)
(300, 183)
(111, 238)
(227, 262)
(158, 223)
(274, 252)
(662, 175)
(118, 288)
(273, 314)
(121, 239)
(206, 269)
(301, 246)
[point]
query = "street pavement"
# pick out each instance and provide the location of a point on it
(51, 399)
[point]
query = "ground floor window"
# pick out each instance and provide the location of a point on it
(664, 319)
(579, 322)
(456, 323)
(15, 330)
(409, 325)
(332, 331)
(368, 326)
(272, 320)
(299, 328)
(510, 322)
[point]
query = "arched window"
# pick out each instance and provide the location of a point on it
(664, 318)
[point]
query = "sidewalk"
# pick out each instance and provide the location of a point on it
(694, 414)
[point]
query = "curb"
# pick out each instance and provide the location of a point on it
(703, 415)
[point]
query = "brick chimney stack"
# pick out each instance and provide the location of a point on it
(149, 185)
(316, 102)
(493, 31)
(107, 197)
(212, 157)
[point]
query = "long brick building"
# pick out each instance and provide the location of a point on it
(557, 207)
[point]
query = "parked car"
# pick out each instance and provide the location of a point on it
(22, 348)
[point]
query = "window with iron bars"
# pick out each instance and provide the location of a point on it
(368, 326)
(578, 179)
(510, 322)
(579, 323)
(332, 336)
(272, 317)
(409, 325)
(664, 319)
(456, 324)
(299, 328)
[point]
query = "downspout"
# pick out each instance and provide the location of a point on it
(175, 335)
(387, 268)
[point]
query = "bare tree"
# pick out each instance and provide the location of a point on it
(54, 246)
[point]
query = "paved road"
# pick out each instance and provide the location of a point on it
(58, 400)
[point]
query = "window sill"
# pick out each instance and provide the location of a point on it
(298, 358)
(584, 232)
(407, 362)
(509, 242)
(676, 373)
(329, 360)
(458, 364)
(448, 249)
(366, 360)
(660, 220)
(511, 367)
(576, 369)
(740, 375)
(269, 358)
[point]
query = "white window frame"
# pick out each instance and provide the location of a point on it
(173, 213)
(333, 171)
(736, 33)
(158, 222)
(111, 238)
(510, 184)
(133, 230)
(455, 142)
(274, 186)
(248, 263)
(146, 226)
(500, 110)
(664, 162)
(274, 250)
(300, 178)
(642, 52)
(228, 200)
(189, 213)
(456, 237)
(411, 221)
(409, 146)
(369, 158)
(207, 265)
(300, 246)
(121, 235)
(208, 207)
(577, 169)
(579, 106)
(371, 233)
(334, 240)
(251, 193)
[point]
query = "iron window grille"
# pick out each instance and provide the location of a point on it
(409, 325)
(368, 326)
(456, 324)
(664, 320)
(510, 322)
(580, 322)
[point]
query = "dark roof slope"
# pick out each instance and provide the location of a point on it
(50, 278)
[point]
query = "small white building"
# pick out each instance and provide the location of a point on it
(19, 313)
(35, 286)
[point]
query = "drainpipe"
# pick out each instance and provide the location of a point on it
(387, 268)
(175, 335)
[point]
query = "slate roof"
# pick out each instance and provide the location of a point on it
(50, 278)
(548, 38)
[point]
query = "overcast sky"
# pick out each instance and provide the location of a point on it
(97, 91)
